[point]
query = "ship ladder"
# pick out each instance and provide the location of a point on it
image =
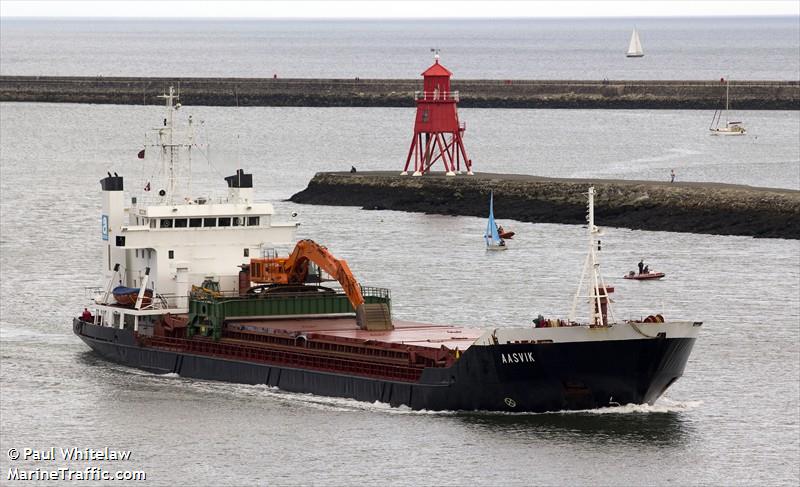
(374, 316)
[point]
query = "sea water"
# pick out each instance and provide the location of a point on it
(733, 419)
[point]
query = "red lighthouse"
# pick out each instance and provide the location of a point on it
(437, 132)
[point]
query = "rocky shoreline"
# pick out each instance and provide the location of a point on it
(710, 208)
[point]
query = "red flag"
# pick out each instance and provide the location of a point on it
(141, 154)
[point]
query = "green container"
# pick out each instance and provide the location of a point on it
(207, 312)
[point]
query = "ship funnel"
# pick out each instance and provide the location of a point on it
(240, 187)
(112, 221)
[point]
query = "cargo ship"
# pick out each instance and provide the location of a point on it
(197, 286)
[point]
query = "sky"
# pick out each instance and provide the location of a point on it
(394, 8)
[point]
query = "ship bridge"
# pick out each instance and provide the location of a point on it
(171, 247)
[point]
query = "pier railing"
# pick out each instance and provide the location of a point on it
(436, 95)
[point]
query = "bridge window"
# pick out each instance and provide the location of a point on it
(253, 221)
(247, 252)
(180, 223)
(225, 221)
(237, 221)
(195, 222)
(171, 254)
(209, 222)
(166, 223)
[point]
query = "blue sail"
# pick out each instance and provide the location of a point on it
(491, 236)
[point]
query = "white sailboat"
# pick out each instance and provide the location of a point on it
(730, 128)
(492, 236)
(635, 46)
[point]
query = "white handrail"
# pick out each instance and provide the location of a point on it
(436, 95)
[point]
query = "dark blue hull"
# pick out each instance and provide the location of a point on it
(512, 377)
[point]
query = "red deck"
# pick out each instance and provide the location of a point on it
(404, 333)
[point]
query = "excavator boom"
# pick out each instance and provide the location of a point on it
(294, 270)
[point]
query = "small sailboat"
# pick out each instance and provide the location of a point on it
(635, 46)
(492, 237)
(730, 128)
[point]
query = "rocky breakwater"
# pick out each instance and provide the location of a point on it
(711, 208)
(355, 92)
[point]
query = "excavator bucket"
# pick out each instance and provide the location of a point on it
(294, 270)
(374, 317)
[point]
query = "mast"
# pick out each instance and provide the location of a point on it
(165, 139)
(170, 145)
(596, 290)
(727, 94)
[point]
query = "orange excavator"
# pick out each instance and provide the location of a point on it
(293, 270)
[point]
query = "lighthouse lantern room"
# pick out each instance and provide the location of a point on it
(438, 135)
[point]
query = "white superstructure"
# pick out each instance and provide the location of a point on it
(167, 240)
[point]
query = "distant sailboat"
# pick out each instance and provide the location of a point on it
(635, 47)
(492, 237)
(730, 128)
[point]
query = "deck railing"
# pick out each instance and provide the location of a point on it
(436, 95)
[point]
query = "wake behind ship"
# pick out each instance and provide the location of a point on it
(194, 285)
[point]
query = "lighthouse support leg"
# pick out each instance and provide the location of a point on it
(417, 154)
(467, 162)
(454, 153)
(408, 159)
(426, 156)
(448, 164)
(439, 155)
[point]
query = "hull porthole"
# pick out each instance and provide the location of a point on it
(510, 402)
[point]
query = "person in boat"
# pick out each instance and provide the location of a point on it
(500, 230)
(641, 266)
(352, 169)
(647, 269)
(87, 315)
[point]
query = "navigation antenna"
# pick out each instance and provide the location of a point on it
(435, 51)
(170, 149)
(596, 290)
